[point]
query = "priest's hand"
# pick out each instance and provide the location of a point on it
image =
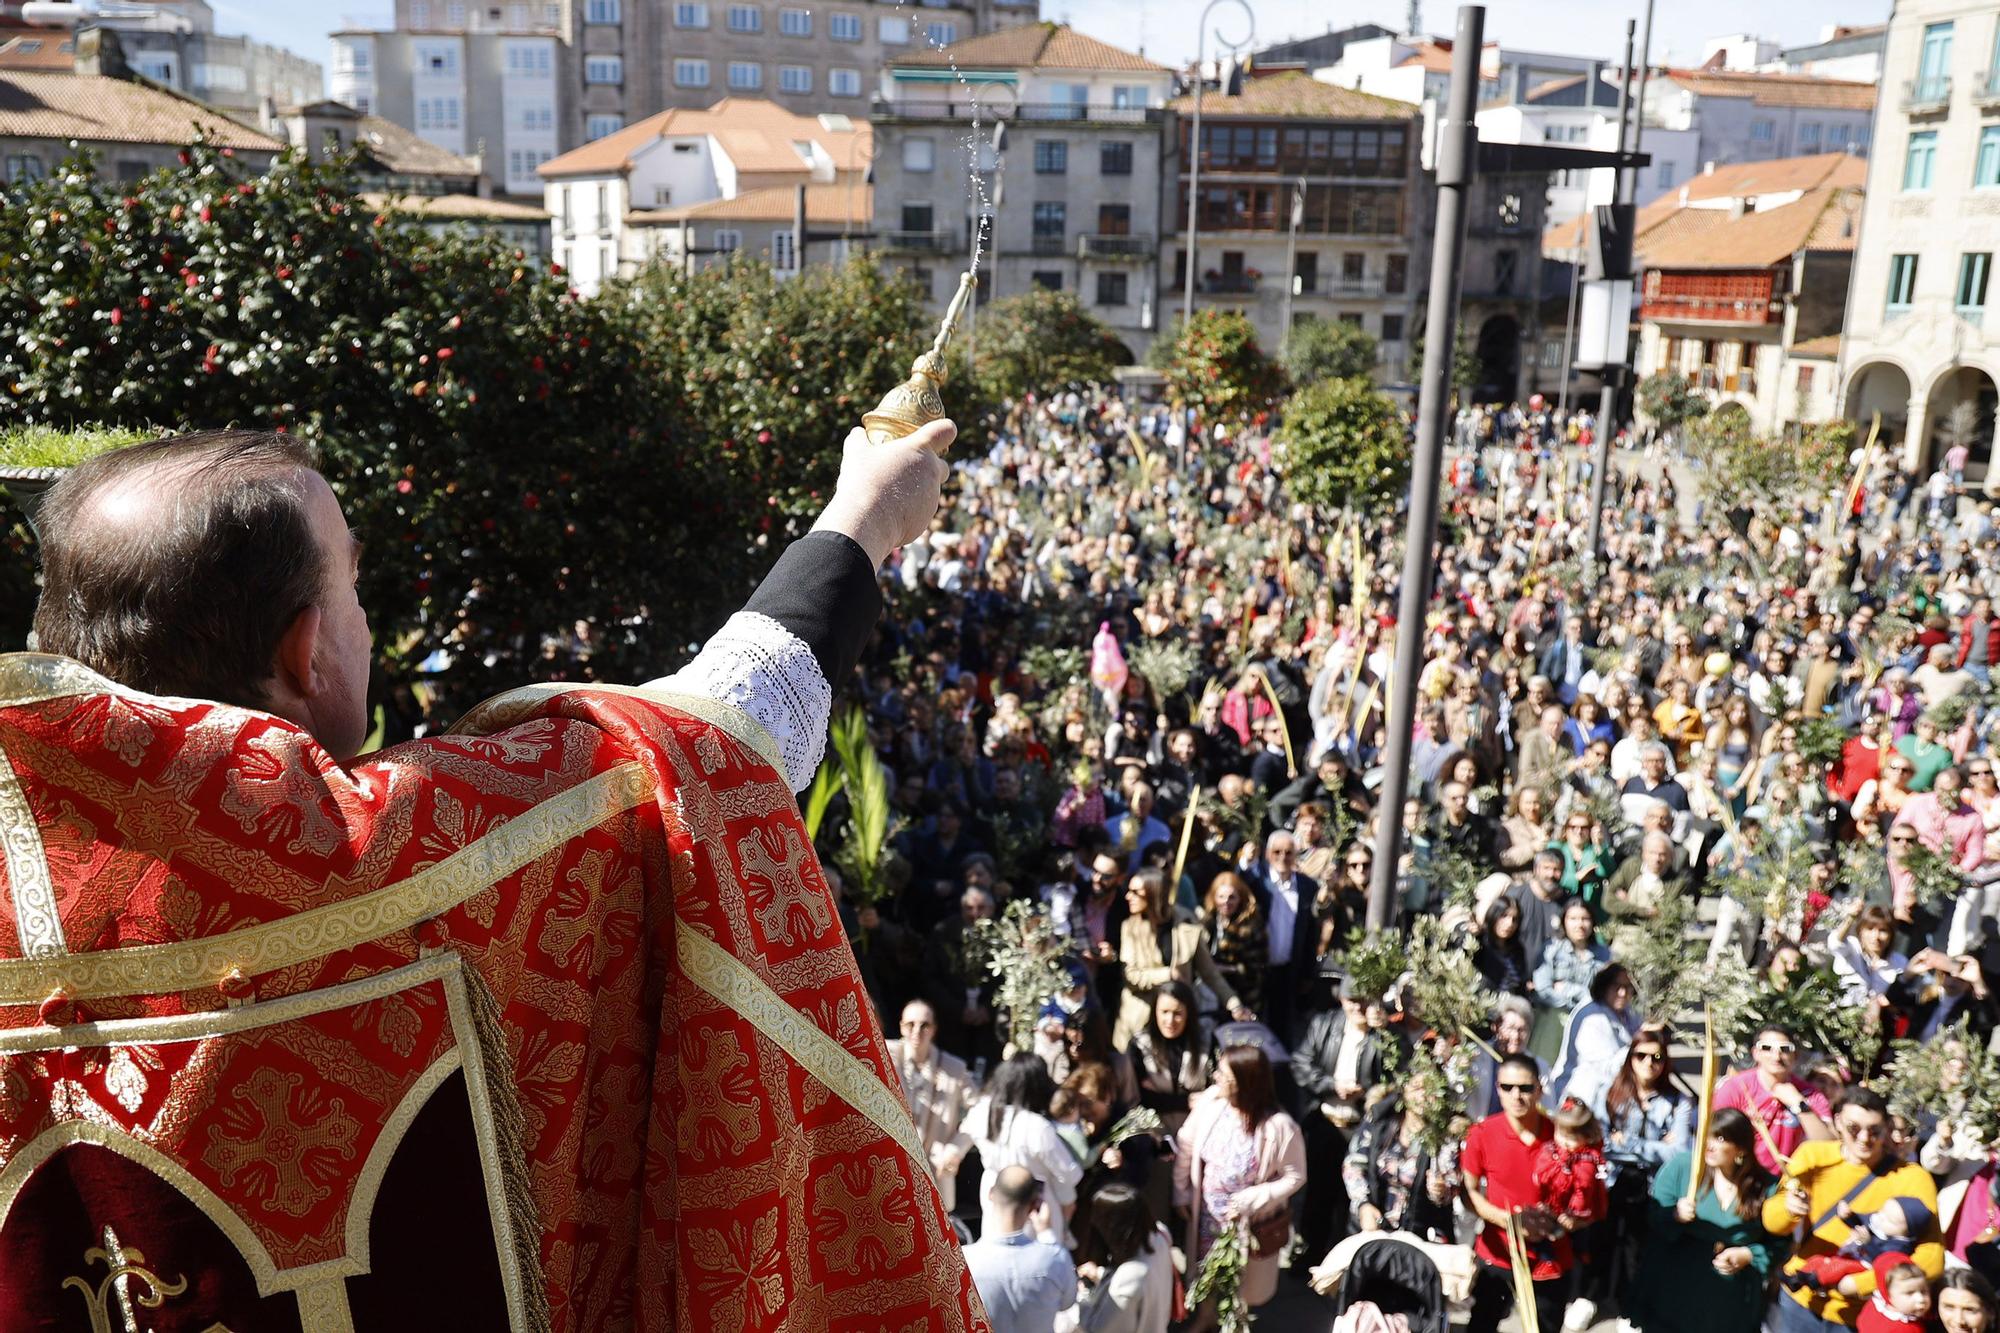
(888, 493)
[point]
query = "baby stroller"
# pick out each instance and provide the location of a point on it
(1397, 1279)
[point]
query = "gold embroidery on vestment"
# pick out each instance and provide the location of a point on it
(33, 888)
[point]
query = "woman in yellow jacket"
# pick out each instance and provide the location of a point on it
(1860, 1171)
(1156, 946)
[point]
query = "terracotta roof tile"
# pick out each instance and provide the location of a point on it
(1825, 348)
(1779, 176)
(825, 205)
(1295, 94)
(1433, 56)
(1823, 219)
(449, 206)
(1029, 46)
(1800, 90)
(403, 153)
(757, 135)
(90, 108)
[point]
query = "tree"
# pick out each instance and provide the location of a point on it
(1774, 477)
(1217, 365)
(777, 371)
(1330, 349)
(513, 458)
(1669, 401)
(1042, 341)
(1343, 444)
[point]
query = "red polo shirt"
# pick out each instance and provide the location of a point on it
(1502, 1165)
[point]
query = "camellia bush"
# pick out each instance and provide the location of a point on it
(1330, 349)
(532, 482)
(1043, 341)
(1343, 444)
(1216, 365)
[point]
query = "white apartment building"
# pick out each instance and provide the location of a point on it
(1916, 344)
(1843, 51)
(1418, 69)
(1582, 111)
(174, 42)
(1745, 116)
(494, 93)
(1072, 200)
(609, 199)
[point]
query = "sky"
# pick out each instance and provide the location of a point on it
(1166, 28)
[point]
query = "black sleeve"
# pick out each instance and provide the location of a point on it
(823, 590)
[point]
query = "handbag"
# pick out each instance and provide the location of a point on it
(1271, 1233)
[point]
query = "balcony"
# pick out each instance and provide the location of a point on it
(1040, 112)
(1343, 287)
(1229, 284)
(1053, 244)
(1100, 245)
(1986, 93)
(1927, 97)
(937, 241)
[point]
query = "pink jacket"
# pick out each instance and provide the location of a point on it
(1960, 834)
(1281, 1171)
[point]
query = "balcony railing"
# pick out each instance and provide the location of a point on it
(1229, 284)
(1054, 244)
(1101, 245)
(1926, 97)
(1043, 112)
(937, 241)
(1986, 92)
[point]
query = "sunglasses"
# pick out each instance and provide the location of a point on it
(1871, 1131)
(1777, 1048)
(1650, 1057)
(1980, 772)
(1517, 1087)
(1902, 837)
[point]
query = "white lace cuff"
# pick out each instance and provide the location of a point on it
(758, 666)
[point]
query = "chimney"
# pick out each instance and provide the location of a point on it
(98, 51)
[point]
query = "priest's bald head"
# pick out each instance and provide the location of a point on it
(211, 566)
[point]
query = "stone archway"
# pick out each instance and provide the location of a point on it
(1498, 352)
(1884, 387)
(1959, 409)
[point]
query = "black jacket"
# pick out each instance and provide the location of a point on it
(1313, 1061)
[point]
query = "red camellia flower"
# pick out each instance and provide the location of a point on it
(117, 318)
(404, 487)
(208, 360)
(763, 437)
(284, 271)
(206, 214)
(531, 501)
(444, 354)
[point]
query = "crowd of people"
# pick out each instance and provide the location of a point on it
(1126, 682)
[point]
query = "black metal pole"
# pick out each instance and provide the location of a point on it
(1608, 405)
(1456, 163)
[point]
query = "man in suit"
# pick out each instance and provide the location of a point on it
(938, 1089)
(1563, 661)
(1285, 895)
(1270, 772)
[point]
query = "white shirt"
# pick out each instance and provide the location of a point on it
(1025, 1139)
(1284, 916)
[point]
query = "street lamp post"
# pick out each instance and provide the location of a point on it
(1292, 264)
(1194, 137)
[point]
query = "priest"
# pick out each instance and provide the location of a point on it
(544, 1023)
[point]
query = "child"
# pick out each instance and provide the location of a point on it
(1902, 1299)
(1569, 1169)
(1897, 1224)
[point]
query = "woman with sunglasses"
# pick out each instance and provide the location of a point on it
(1791, 1110)
(1646, 1120)
(1878, 802)
(1705, 1265)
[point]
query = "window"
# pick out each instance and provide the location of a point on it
(728, 240)
(746, 18)
(420, 14)
(604, 69)
(690, 14)
(329, 140)
(942, 34)
(1128, 96)
(158, 70)
(1763, 129)
(1396, 275)
(784, 257)
(1836, 139)
(1352, 268)
(597, 126)
(1902, 281)
(22, 167)
(1047, 281)
(1666, 175)
(1392, 329)
(921, 279)
(691, 74)
(1114, 158)
(1987, 170)
(222, 78)
(437, 113)
(918, 217)
(1934, 65)
(568, 215)
(795, 78)
(528, 60)
(746, 74)
(1922, 157)
(1051, 227)
(601, 11)
(358, 56)
(604, 208)
(1805, 380)
(1111, 289)
(542, 117)
(795, 22)
(1305, 273)
(843, 27)
(1114, 219)
(1051, 157)
(1973, 270)
(437, 60)
(919, 154)
(893, 31)
(1808, 136)
(844, 82)
(454, 13)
